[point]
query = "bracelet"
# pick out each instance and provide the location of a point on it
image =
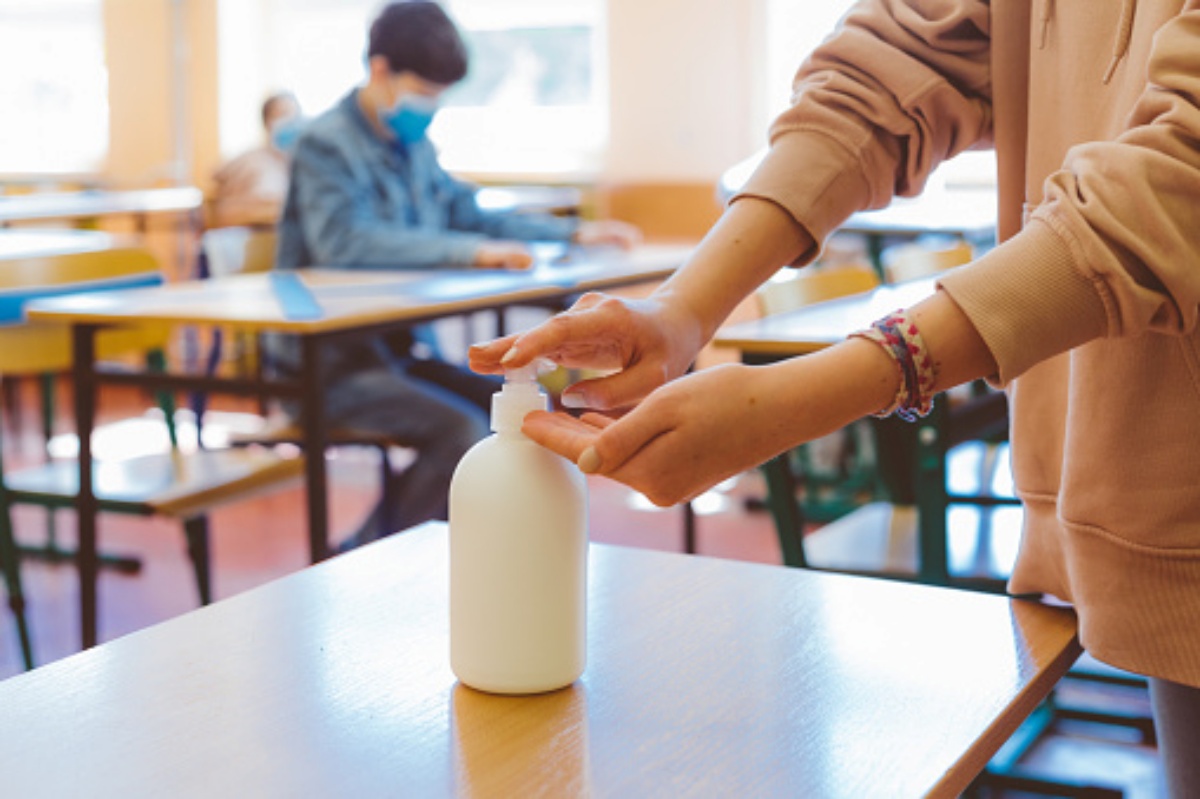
(899, 337)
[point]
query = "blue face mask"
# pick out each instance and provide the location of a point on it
(284, 134)
(409, 118)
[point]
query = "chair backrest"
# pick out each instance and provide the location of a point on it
(231, 250)
(38, 347)
(795, 288)
(924, 256)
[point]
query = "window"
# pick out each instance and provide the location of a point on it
(533, 101)
(53, 86)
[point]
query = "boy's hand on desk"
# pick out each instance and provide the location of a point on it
(503, 255)
(608, 232)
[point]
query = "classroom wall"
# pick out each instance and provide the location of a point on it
(682, 110)
(678, 71)
(148, 78)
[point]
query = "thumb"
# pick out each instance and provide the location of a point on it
(620, 441)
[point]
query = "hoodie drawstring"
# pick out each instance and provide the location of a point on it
(1047, 16)
(1120, 46)
(1124, 34)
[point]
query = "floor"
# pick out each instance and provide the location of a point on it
(261, 540)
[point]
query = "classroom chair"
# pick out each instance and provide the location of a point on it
(235, 250)
(837, 471)
(182, 486)
(926, 255)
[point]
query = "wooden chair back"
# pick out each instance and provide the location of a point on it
(794, 288)
(231, 250)
(39, 347)
(924, 257)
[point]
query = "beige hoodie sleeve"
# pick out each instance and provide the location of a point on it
(901, 87)
(1114, 248)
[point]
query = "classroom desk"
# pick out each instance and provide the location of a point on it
(916, 449)
(37, 243)
(815, 327)
(91, 204)
(705, 677)
(967, 212)
(565, 200)
(348, 302)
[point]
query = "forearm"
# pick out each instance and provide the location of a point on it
(959, 352)
(829, 389)
(751, 241)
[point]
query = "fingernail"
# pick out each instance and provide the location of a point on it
(574, 400)
(589, 461)
(510, 355)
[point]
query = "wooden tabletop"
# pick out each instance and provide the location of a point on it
(348, 298)
(98, 202)
(36, 243)
(969, 212)
(823, 324)
(705, 678)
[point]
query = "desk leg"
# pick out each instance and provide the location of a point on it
(312, 417)
(84, 369)
(932, 501)
(785, 509)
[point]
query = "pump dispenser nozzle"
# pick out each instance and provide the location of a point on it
(520, 394)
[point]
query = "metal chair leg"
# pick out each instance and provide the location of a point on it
(387, 490)
(196, 530)
(11, 566)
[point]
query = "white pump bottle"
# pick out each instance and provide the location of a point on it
(518, 556)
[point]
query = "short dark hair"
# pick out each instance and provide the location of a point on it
(417, 36)
(268, 106)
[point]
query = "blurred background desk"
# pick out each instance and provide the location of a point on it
(332, 303)
(705, 677)
(33, 243)
(911, 456)
(85, 207)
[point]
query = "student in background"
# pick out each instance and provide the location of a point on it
(1087, 312)
(367, 191)
(250, 189)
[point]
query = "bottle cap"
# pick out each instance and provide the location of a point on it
(519, 395)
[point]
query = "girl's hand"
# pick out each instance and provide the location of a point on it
(695, 432)
(644, 342)
(683, 438)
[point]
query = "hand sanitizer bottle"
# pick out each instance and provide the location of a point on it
(518, 556)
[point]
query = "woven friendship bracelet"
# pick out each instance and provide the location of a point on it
(899, 337)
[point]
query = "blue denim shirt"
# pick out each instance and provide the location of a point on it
(355, 199)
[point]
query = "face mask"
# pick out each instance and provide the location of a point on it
(284, 134)
(409, 118)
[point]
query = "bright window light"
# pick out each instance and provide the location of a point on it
(53, 86)
(533, 101)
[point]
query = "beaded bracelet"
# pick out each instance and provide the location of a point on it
(897, 334)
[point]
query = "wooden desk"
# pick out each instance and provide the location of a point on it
(705, 678)
(34, 243)
(917, 449)
(540, 199)
(350, 302)
(815, 327)
(970, 213)
(90, 204)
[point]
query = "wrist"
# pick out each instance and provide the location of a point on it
(839, 385)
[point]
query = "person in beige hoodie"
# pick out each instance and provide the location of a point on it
(1086, 313)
